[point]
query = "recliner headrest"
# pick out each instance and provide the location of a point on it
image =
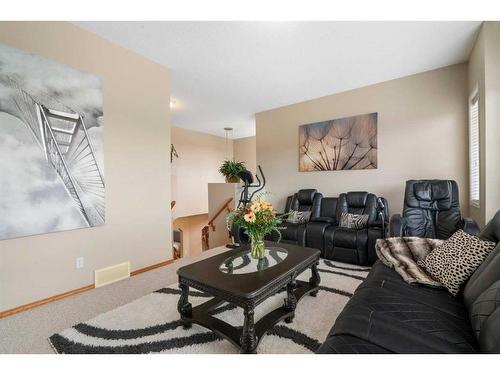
(356, 199)
(306, 196)
(429, 194)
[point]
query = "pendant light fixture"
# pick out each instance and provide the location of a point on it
(229, 135)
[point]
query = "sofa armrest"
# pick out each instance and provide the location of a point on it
(397, 226)
(470, 226)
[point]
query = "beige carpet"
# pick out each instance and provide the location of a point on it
(27, 332)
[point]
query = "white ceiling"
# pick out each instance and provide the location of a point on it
(224, 72)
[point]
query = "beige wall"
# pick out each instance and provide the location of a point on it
(200, 156)
(484, 74)
(422, 133)
(245, 149)
(476, 82)
(136, 150)
(492, 75)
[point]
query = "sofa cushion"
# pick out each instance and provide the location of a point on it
(383, 276)
(350, 245)
(456, 259)
(344, 237)
(401, 318)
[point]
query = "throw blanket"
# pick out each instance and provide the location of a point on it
(403, 253)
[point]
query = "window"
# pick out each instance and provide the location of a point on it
(474, 149)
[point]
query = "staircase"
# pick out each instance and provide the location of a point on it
(177, 237)
(205, 232)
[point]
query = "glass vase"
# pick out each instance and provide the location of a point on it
(257, 246)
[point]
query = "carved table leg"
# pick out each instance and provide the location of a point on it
(184, 307)
(248, 340)
(291, 300)
(315, 279)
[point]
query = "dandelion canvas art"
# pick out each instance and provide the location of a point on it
(341, 144)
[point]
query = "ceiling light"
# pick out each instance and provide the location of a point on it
(172, 103)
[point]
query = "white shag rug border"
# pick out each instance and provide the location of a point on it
(151, 324)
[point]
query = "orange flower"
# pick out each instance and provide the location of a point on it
(249, 217)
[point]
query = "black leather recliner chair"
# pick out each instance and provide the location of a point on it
(303, 200)
(387, 315)
(355, 246)
(431, 210)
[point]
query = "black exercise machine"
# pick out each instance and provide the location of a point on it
(247, 178)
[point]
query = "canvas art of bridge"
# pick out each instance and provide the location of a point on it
(63, 137)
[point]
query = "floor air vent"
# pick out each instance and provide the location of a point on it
(111, 274)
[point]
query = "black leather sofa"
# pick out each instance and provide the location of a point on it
(323, 232)
(432, 210)
(387, 315)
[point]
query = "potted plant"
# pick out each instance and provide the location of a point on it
(257, 218)
(230, 169)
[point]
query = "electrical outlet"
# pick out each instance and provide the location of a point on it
(79, 263)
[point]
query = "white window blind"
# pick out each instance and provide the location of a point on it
(474, 149)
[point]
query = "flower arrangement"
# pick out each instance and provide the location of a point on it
(258, 218)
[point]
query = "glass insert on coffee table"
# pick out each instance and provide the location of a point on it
(237, 278)
(243, 262)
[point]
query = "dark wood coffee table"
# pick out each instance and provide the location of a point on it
(236, 278)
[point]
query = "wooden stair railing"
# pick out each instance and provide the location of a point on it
(205, 231)
(225, 206)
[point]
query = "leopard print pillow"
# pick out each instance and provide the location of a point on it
(456, 259)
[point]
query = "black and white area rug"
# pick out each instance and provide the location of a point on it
(151, 324)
